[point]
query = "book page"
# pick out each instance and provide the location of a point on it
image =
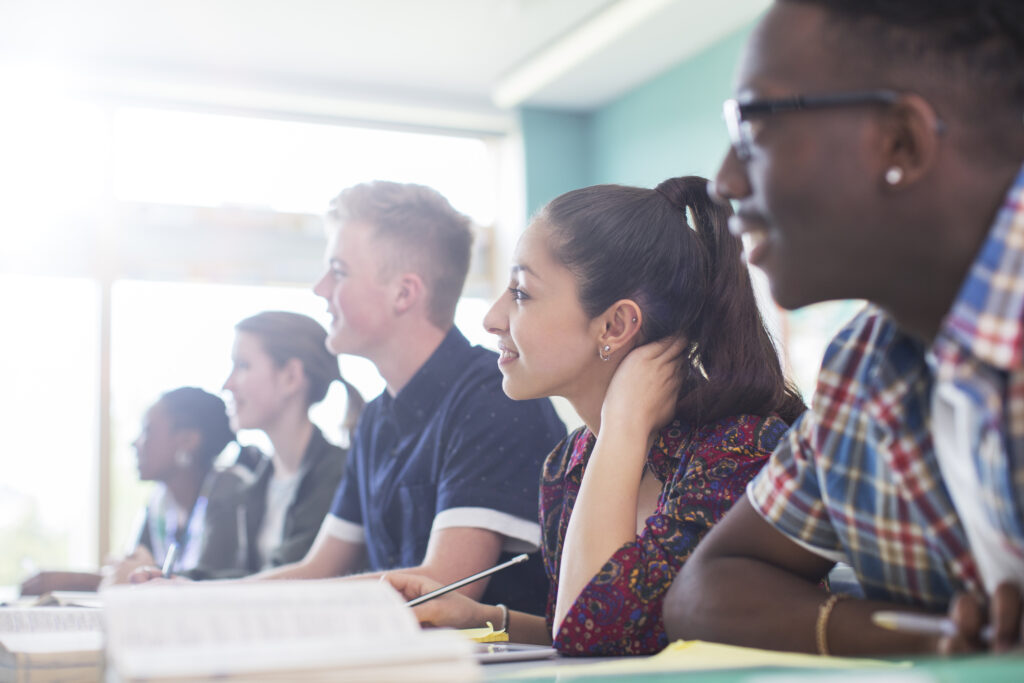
(211, 613)
(49, 619)
(210, 629)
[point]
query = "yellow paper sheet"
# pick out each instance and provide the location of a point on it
(696, 655)
(486, 634)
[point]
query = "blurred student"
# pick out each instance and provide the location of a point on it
(182, 434)
(648, 325)
(281, 369)
(877, 153)
(442, 476)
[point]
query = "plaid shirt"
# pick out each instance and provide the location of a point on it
(856, 479)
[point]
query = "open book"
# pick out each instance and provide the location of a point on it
(277, 630)
(50, 644)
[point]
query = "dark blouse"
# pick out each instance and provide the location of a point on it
(703, 472)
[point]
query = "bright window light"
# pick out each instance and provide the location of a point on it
(171, 157)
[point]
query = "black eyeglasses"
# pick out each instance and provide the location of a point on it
(737, 114)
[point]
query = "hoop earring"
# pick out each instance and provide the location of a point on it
(603, 350)
(894, 175)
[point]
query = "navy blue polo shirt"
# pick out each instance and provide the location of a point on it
(450, 450)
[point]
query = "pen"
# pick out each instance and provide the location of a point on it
(925, 624)
(469, 579)
(172, 551)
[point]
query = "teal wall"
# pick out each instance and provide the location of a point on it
(556, 153)
(669, 126)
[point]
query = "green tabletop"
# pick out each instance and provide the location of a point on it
(979, 669)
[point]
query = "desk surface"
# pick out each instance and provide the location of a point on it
(986, 669)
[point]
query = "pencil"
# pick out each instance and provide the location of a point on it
(468, 580)
(924, 624)
(172, 551)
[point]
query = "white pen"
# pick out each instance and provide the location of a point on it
(469, 579)
(172, 551)
(925, 624)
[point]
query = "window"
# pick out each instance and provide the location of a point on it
(50, 404)
(188, 222)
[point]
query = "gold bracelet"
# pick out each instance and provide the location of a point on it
(504, 617)
(821, 627)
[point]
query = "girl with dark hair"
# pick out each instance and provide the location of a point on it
(182, 434)
(637, 307)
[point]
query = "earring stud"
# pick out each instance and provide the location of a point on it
(894, 175)
(602, 351)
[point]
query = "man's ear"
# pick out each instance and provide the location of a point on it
(910, 141)
(410, 291)
(620, 327)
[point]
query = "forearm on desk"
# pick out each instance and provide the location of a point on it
(748, 584)
(749, 603)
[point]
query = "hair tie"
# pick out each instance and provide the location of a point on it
(670, 199)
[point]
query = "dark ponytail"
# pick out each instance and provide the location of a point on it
(689, 281)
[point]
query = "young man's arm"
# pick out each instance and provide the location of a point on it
(328, 557)
(456, 552)
(748, 584)
(452, 553)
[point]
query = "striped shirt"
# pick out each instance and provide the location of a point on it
(857, 478)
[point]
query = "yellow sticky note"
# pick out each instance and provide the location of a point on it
(486, 634)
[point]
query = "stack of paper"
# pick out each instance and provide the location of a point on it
(50, 644)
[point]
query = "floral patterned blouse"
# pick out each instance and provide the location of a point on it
(703, 472)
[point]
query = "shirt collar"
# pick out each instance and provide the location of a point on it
(987, 317)
(581, 448)
(418, 399)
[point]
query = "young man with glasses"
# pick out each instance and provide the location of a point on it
(876, 153)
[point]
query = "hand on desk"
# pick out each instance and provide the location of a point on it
(116, 570)
(49, 581)
(120, 571)
(1003, 614)
(452, 609)
(153, 575)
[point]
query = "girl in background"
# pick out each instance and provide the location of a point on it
(281, 368)
(182, 434)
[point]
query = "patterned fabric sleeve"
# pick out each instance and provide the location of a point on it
(620, 610)
(787, 495)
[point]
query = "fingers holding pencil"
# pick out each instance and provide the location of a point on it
(971, 626)
(452, 609)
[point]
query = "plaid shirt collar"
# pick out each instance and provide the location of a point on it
(987, 318)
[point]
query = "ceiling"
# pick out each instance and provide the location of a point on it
(378, 58)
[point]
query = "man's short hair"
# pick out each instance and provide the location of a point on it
(425, 235)
(973, 49)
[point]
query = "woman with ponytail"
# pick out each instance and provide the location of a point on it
(281, 368)
(636, 306)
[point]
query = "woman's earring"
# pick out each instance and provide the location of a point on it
(183, 459)
(634, 319)
(601, 351)
(894, 175)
